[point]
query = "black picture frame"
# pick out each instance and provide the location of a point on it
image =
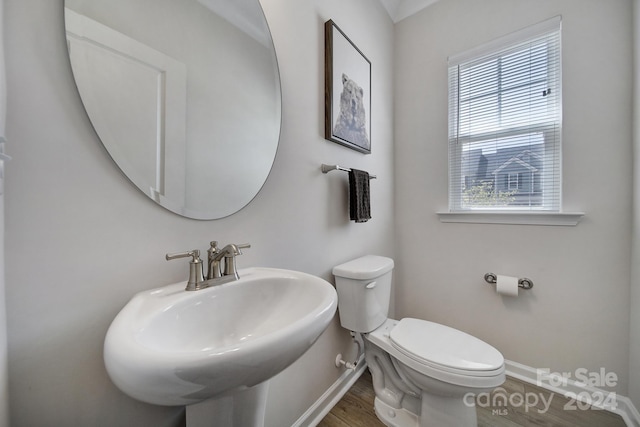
(347, 91)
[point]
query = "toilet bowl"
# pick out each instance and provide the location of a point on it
(424, 373)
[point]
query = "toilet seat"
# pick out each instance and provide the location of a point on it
(418, 335)
(445, 348)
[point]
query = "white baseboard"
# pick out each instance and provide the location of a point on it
(328, 400)
(572, 389)
(580, 392)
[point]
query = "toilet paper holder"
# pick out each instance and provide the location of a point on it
(523, 283)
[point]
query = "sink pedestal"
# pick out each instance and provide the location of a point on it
(244, 407)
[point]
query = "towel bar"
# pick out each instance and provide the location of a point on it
(523, 283)
(329, 168)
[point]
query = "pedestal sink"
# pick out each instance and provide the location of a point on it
(216, 349)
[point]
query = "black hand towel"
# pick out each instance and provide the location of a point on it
(359, 203)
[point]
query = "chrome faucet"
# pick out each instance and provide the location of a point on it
(214, 270)
(229, 253)
(196, 276)
(215, 274)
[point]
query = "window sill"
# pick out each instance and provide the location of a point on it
(513, 218)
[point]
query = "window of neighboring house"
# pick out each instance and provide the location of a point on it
(505, 123)
(514, 181)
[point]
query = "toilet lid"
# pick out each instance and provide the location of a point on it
(433, 343)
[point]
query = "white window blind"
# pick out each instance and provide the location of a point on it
(505, 123)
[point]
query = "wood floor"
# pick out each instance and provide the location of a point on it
(356, 409)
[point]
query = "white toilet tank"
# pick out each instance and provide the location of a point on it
(364, 289)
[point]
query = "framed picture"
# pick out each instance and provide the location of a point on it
(347, 117)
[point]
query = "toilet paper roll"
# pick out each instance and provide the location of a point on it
(507, 285)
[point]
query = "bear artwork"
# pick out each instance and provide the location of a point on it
(351, 123)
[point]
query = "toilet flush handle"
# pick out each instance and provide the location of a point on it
(371, 285)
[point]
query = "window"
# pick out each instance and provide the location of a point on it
(505, 124)
(514, 181)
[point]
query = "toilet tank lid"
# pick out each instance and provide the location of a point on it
(364, 268)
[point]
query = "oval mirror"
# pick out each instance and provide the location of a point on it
(184, 95)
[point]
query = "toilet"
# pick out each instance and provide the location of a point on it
(424, 374)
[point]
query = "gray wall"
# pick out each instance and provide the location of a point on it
(81, 240)
(634, 353)
(4, 369)
(577, 315)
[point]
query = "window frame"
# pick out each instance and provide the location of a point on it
(513, 180)
(551, 212)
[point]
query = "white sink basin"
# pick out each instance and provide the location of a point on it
(169, 346)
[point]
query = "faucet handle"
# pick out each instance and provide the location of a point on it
(230, 258)
(196, 277)
(242, 246)
(231, 250)
(195, 254)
